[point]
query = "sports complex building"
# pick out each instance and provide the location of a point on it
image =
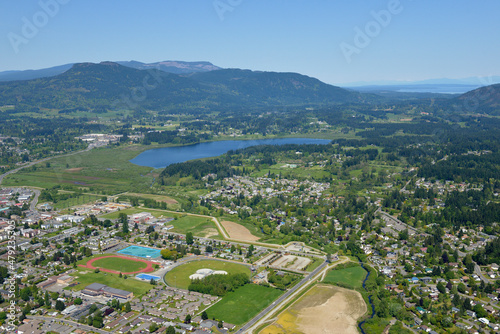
(98, 289)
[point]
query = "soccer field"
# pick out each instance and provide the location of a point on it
(243, 304)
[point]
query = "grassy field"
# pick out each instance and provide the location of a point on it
(243, 304)
(118, 264)
(81, 199)
(199, 226)
(351, 277)
(179, 276)
(103, 169)
(86, 277)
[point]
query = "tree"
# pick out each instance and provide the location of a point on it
(153, 327)
(127, 307)
(125, 227)
(47, 300)
(441, 288)
(170, 330)
(480, 311)
(187, 320)
(204, 315)
(78, 301)
(220, 324)
(60, 306)
(189, 238)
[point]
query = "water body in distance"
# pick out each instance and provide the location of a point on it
(162, 157)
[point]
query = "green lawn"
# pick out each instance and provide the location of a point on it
(86, 277)
(120, 265)
(351, 277)
(199, 226)
(179, 276)
(243, 304)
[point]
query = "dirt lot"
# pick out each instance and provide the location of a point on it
(238, 232)
(73, 170)
(323, 309)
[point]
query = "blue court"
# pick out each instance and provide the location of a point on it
(140, 251)
(147, 277)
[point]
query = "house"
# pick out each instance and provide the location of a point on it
(421, 310)
(471, 313)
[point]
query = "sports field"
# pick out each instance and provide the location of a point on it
(119, 264)
(179, 276)
(243, 304)
(351, 277)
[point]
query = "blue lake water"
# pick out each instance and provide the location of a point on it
(162, 157)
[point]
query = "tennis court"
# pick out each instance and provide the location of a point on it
(140, 251)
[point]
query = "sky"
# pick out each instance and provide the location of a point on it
(335, 41)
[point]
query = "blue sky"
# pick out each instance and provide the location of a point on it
(333, 40)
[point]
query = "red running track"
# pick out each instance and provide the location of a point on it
(148, 269)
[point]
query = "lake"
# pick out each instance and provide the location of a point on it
(162, 157)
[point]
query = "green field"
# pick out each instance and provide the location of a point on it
(243, 304)
(351, 277)
(199, 226)
(120, 265)
(86, 277)
(179, 276)
(101, 169)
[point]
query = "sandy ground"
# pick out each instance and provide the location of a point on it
(323, 309)
(210, 232)
(238, 232)
(73, 170)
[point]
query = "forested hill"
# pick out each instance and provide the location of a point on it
(110, 86)
(482, 100)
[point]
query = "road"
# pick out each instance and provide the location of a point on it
(34, 201)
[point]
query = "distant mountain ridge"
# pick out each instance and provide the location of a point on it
(110, 85)
(169, 66)
(482, 100)
(173, 66)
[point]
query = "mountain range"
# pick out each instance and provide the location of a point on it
(200, 86)
(169, 66)
(110, 85)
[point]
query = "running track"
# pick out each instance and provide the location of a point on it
(148, 269)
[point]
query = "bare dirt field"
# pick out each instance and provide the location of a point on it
(238, 232)
(73, 170)
(210, 232)
(323, 309)
(159, 198)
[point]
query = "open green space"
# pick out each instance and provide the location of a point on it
(106, 169)
(351, 277)
(118, 264)
(86, 276)
(179, 276)
(241, 305)
(182, 223)
(80, 199)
